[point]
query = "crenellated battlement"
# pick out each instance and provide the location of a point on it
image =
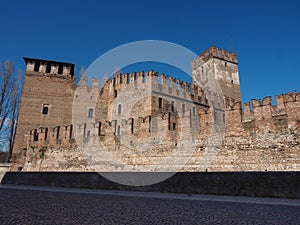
(281, 101)
(49, 68)
(260, 116)
(158, 83)
(214, 52)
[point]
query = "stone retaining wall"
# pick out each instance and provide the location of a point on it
(254, 184)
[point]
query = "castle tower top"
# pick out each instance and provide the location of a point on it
(214, 52)
(44, 67)
(223, 67)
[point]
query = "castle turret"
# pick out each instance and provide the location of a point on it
(221, 64)
(46, 101)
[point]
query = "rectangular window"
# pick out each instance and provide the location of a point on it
(116, 93)
(119, 109)
(71, 131)
(35, 135)
(215, 116)
(160, 103)
(57, 133)
(172, 106)
(91, 113)
(169, 121)
(132, 125)
(99, 129)
(84, 130)
(46, 134)
(183, 109)
(45, 109)
(174, 126)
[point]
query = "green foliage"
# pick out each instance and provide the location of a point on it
(42, 152)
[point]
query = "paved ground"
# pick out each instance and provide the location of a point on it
(69, 206)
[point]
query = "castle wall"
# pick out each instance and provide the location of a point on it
(143, 119)
(266, 145)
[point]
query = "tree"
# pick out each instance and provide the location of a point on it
(10, 95)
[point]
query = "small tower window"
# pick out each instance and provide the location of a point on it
(99, 129)
(116, 93)
(71, 131)
(215, 116)
(45, 109)
(183, 108)
(172, 106)
(58, 133)
(132, 125)
(35, 135)
(46, 134)
(174, 126)
(225, 64)
(91, 113)
(169, 121)
(119, 109)
(160, 103)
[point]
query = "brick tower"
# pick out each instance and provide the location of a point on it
(46, 101)
(223, 65)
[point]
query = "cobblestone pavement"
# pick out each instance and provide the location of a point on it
(19, 206)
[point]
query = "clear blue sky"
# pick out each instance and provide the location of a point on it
(265, 34)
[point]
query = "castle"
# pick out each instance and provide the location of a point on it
(143, 118)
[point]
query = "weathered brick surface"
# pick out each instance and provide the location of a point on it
(55, 90)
